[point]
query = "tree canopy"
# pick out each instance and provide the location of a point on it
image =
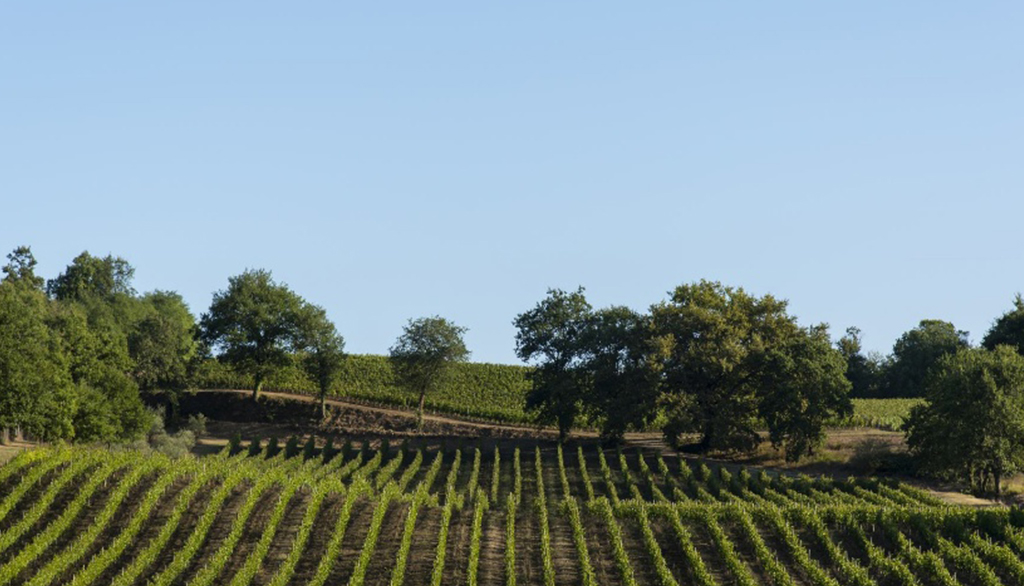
(423, 354)
(66, 364)
(323, 349)
(712, 361)
(972, 427)
(1008, 329)
(551, 336)
(623, 365)
(865, 372)
(254, 323)
(720, 338)
(89, 275)
(36, 390)
(916, 352)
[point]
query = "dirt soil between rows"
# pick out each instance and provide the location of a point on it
(232, 412)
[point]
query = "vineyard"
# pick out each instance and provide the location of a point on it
(303, 514)
(879, 413)
(490, 392)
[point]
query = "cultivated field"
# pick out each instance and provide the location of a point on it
(527, 515)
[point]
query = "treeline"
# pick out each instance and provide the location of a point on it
(712, 361)
(717, 363)
(903, 373)
(970, 426)
(712, 365)
(76, 350)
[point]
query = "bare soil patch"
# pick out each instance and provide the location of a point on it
(325, 520)
(255, 525)
(420, 566)
(284, 538)
(352, 542)
(457, 551)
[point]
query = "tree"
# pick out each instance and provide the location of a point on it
(803, 386)
(36, 392)
(972, 426)
(254, 324)
(1008, 329)
(89, 275)
(863, 372)
(624, 362)
(423, 354)
(21, 268)
(714, 375)
(916, 352)
(324, 350)
(551, 336)
(162, 342)
(108, 406)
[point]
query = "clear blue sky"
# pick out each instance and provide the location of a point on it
(394, 160)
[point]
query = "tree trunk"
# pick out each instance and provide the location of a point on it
(3, 436)
(995, 481)
(258, 382)
(706, 437)
(323, 404)
(419, 411)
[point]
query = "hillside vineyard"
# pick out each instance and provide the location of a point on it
(527, 515)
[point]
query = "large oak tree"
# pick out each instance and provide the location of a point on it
(254, 324)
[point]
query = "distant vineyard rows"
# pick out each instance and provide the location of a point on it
(494, 392)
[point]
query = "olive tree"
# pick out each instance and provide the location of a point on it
(423, 354)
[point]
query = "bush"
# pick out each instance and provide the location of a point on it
(196, 424)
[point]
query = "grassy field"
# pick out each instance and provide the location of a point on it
(522, 514)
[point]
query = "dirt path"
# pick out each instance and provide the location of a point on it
(401, 413)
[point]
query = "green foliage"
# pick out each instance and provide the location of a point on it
(76, 349)
(254, 324)
(323, 349)
(1008, 328)
(423, 355)
(162, 342)
(888, 414)
(624, 360)
(803, 387)
(820, 539)
(36, 391)
(916, 352)
(720, 336)
(551, 336)
(972, 427)
(864, 372)
(735, 360)
(21, 269)
(90, 276)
